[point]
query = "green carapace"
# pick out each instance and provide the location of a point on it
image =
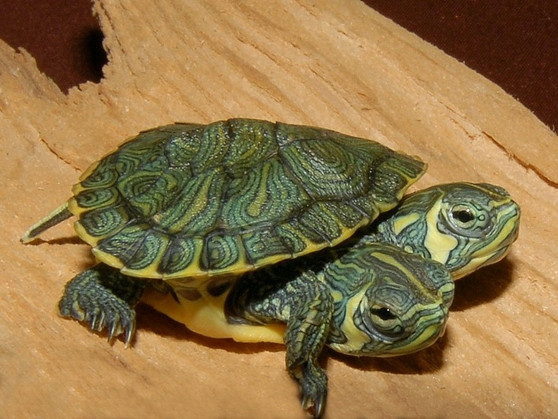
(262, 231)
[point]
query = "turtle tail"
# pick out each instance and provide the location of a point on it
(55, 217)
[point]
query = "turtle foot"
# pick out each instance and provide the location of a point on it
(313, 384)
(105, 299)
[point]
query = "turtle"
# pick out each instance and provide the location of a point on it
(270, 232)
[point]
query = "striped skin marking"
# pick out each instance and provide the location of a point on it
(424, 224)
(440, 245)
(497, 245)
(403, 222)
(55, 217)
(354, 338)
(359, 280)
(419, 292)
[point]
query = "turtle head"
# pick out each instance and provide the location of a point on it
(399, 304)
(464, 226)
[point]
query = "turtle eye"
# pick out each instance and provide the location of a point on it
(469, 220)
(386, 322)
(464, 215)
(383, 313)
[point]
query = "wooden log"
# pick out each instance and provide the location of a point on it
(337, 65)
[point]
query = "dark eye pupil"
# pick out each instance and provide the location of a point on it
(463, 216)
(384, 313)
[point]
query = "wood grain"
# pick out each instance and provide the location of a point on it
(338, 65)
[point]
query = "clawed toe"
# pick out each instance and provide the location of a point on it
(315, 405)
(313, 385)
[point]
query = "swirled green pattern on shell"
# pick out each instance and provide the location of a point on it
(188, 200)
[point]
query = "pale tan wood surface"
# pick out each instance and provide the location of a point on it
(335, 64)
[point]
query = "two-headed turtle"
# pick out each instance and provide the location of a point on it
(228, 228)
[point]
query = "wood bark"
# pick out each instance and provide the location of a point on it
(335, 64)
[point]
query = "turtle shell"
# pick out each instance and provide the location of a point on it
(190, 200)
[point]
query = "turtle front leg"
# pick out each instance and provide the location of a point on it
(306, 306)
(307, 330)
(104, 298)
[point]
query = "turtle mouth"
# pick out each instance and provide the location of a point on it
(504, 236)
(418, 342)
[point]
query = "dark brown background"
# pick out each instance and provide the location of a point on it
(512, 43)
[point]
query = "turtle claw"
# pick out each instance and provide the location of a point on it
(313, 385)
(114, 330)
(130, 334)
(93, 297)
(316, 406)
